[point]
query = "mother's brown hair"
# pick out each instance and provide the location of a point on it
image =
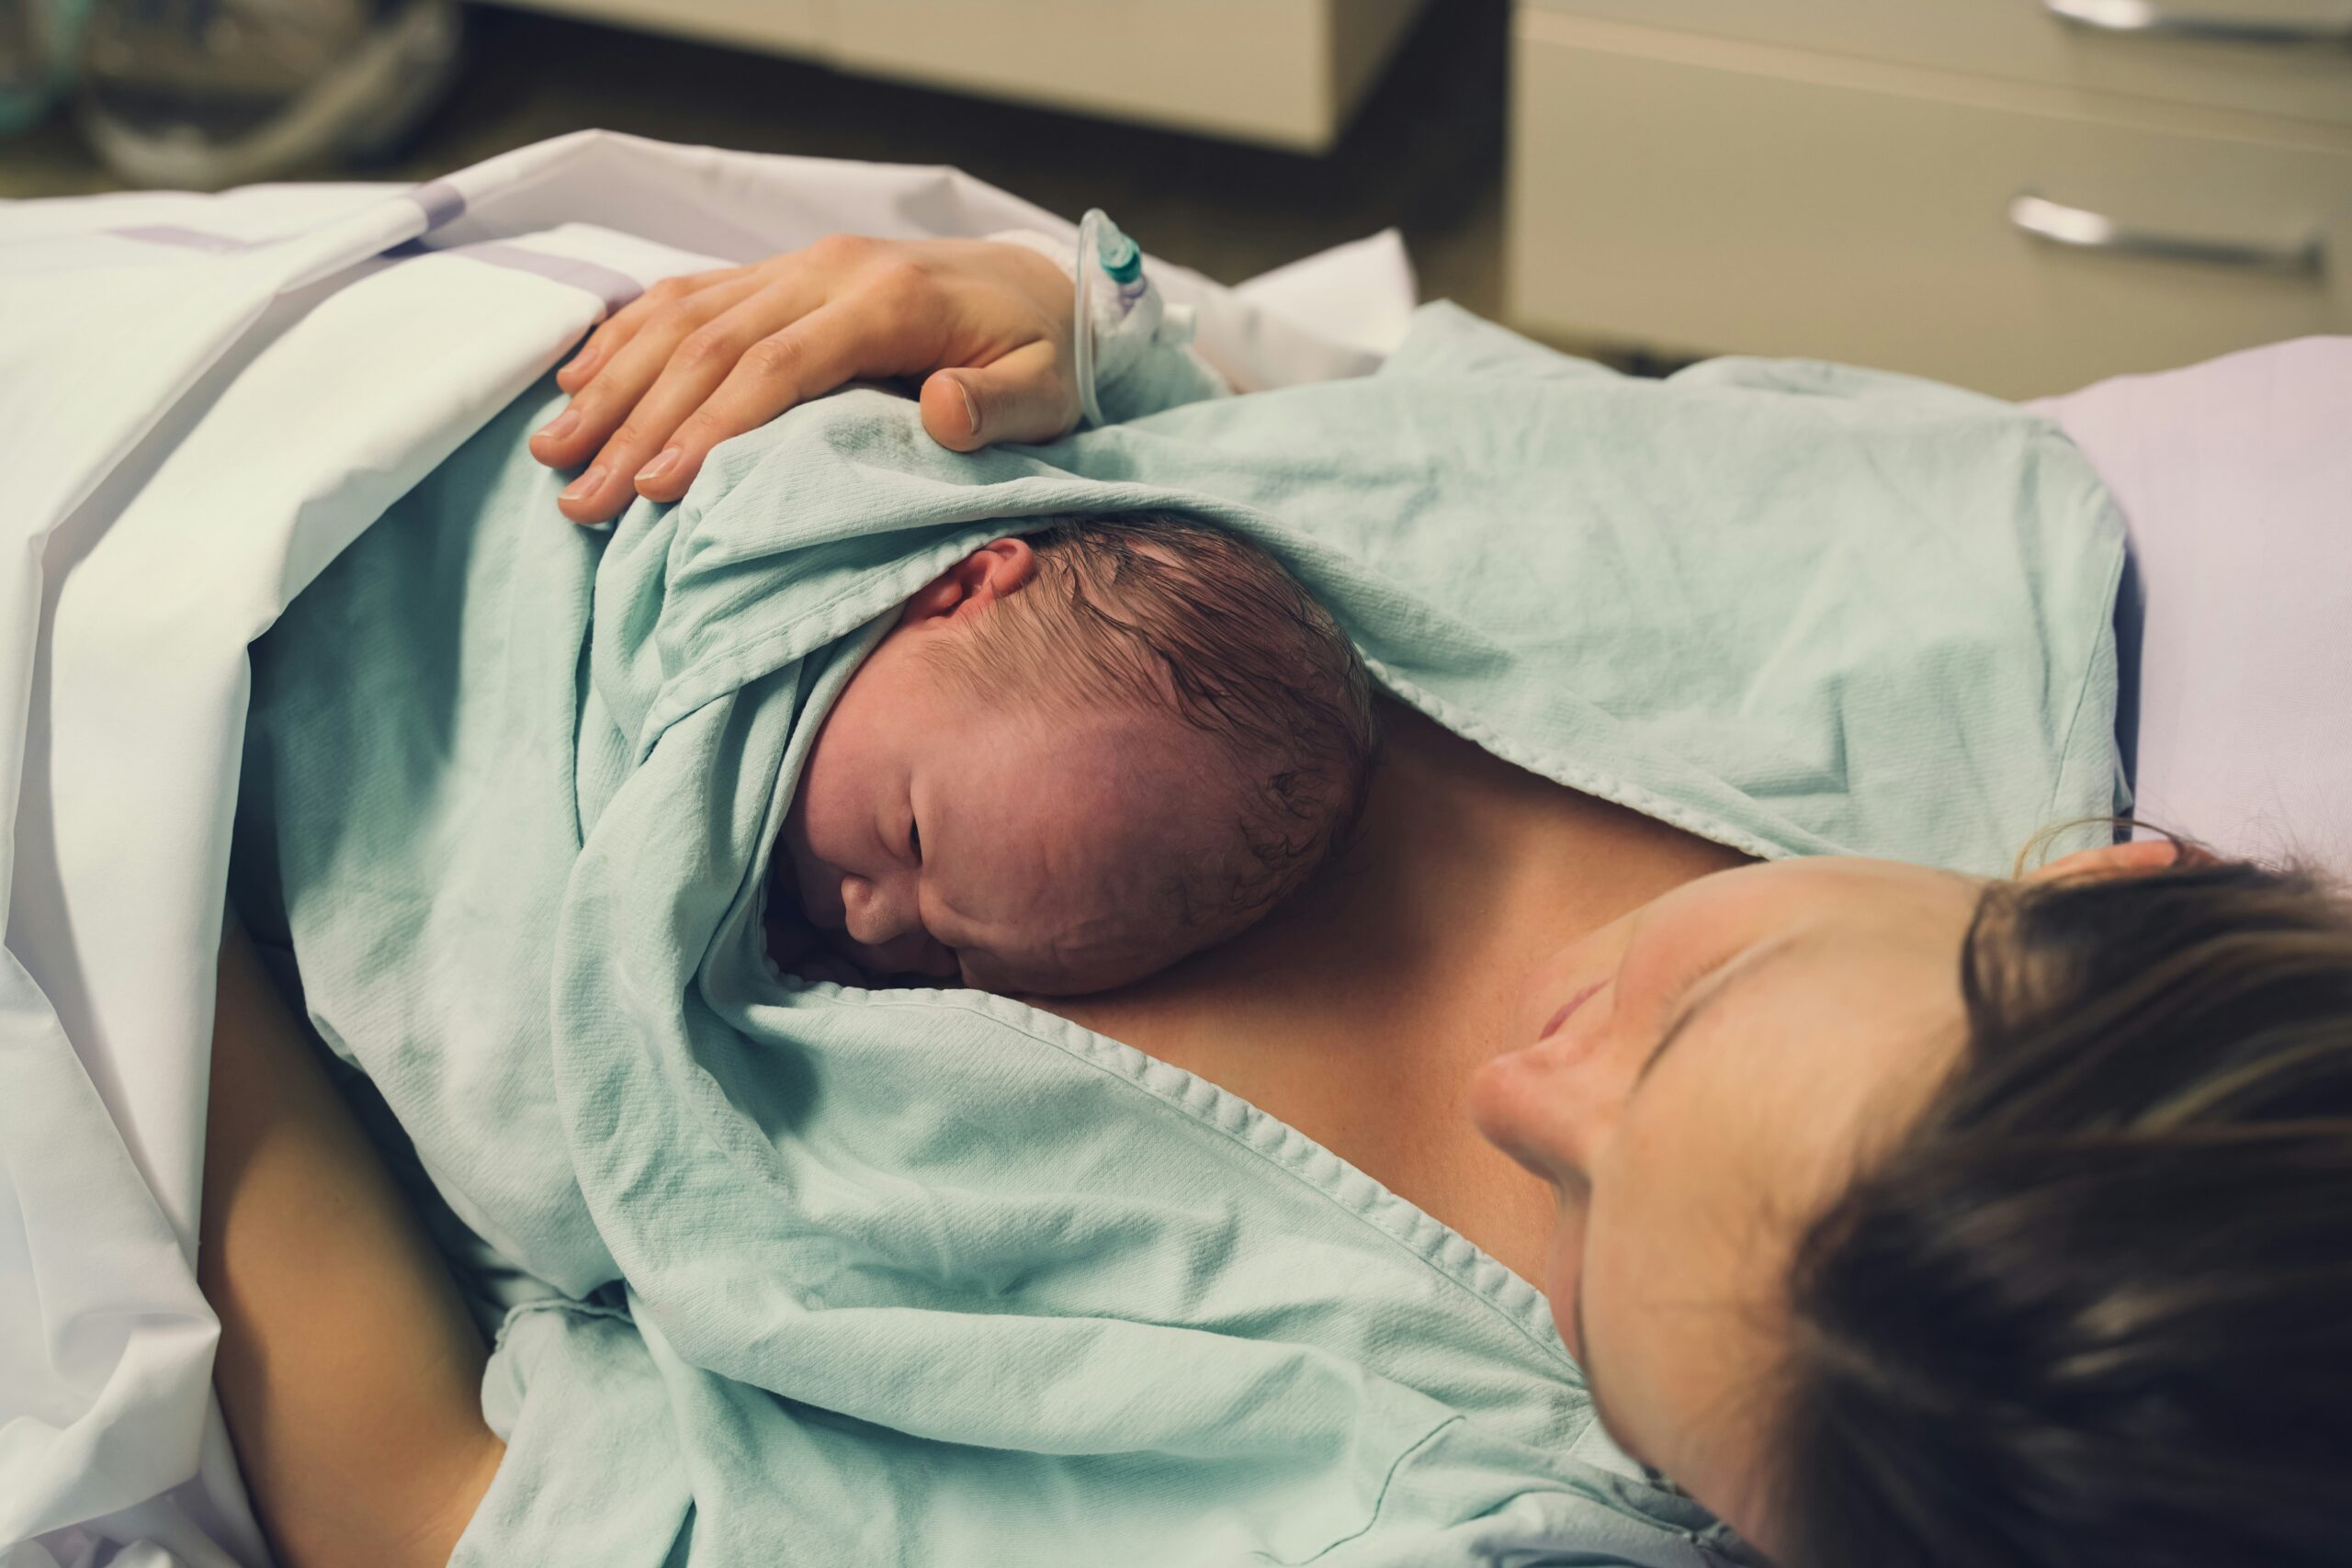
(2096, 1309)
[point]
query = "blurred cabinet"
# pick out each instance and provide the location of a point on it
(1986, 191)
(1285, 72)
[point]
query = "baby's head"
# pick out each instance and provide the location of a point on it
(1080, 756)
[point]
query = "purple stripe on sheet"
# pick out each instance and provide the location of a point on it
(615, 289)
(441, 201)
(187, 239)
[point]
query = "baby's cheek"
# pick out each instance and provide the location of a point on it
(800, 871)
(1073, 980)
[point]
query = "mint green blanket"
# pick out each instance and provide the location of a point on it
(927, 1277)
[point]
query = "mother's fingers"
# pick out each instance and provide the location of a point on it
(661, 377)
(624, 323)
(588, 431)
(589, 420)
(705, 359)
(701, 359)
(809, 357)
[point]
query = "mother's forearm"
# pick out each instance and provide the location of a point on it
(347, 1368)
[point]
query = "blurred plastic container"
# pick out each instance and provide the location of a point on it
(198, 95)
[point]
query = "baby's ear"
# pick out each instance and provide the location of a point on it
(933, 599)
(1000, 569)
(995, 571)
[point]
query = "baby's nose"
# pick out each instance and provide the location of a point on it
(876, 913)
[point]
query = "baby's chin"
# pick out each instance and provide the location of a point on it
(909, 963)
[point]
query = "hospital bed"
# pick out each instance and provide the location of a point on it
(199, 410)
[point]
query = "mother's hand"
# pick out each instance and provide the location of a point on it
(696, 359)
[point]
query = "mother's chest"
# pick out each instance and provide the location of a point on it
(1359, 1010)
(1360, 1028)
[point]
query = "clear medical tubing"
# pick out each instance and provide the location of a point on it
(1107, 254)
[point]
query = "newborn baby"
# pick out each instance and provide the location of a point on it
(1079, 756)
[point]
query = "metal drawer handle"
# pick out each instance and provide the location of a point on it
(2089, 231)
(2146, 16)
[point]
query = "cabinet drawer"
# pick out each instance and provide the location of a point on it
(2026, 40)
(1688, 205)
(783, 27)
(1285, 72)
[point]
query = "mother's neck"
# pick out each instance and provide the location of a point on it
(1466, 864)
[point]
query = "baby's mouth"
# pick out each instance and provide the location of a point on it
(917, 955)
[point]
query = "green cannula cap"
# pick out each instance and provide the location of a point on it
(1120, 258)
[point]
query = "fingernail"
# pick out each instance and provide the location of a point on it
(561, 426)
(971, 409)
(654, 472)
(586, 484)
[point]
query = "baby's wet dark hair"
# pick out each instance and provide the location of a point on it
(1159, 611)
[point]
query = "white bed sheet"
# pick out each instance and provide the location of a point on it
(2235, 479)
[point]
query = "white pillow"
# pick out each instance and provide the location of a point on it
(2235, 479)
